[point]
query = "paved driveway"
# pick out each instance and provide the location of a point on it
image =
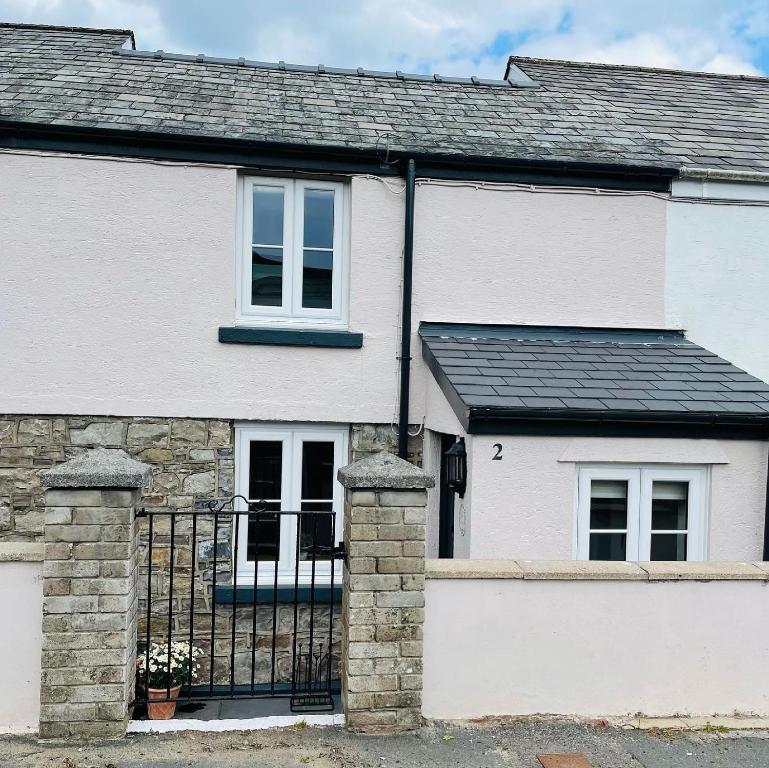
(503, 746)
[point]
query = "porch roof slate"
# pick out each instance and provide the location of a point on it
(630, 116)
(641, 374)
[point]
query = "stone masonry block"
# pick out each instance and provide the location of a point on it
(409, 498)
(387, 515)
(400, 599)
(400, 564)
(401, 532)
(73, 497)
(373, 683)
(375, 549)
(102, 515)
(369, 583)
(362, 498)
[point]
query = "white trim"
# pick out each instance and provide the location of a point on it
(246, 724)
(291, 436)
(291, 313)
(585, 477)
(640, 480)
(697, 508)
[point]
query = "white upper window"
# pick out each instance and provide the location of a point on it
(641, 513)
(292, 249)
(293, 470)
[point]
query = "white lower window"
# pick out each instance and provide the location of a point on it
(291, 469)
(641, 513)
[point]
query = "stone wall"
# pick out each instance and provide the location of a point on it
(383, 608)
(368, 439)
(190, 458)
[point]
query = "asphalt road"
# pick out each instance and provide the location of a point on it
(512, 745)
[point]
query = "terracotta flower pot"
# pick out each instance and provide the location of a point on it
(161, 710)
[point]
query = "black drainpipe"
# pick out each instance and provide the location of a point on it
(766, 516)
(408, 262)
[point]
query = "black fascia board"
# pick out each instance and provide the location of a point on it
(119, 142)
(495, 421)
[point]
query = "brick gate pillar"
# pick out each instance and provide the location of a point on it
(383, 598)
(90, 594)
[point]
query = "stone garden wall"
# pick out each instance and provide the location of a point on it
(192, 461)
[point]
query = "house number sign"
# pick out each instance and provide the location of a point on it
(498, 455)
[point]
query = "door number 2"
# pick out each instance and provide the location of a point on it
(498, 455)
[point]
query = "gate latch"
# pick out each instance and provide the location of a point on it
(338, 552)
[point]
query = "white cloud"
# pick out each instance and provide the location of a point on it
(446, 36)
(726, 64)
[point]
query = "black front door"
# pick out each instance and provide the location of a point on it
(446, 516)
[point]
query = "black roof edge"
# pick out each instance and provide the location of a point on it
(585, 422)
(616, 423)
(576, 333)
(22, 134)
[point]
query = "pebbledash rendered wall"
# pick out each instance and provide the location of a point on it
(150, 274)
(523, 506)
(595, 639)
(717, 270)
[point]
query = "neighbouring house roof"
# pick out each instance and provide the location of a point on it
(505, 378)
(571, 112)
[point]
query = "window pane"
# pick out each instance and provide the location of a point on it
(319, 218)
(264, 535)
(670, 502)
(264, 469)
(315, 531)
(317, 470)
(608, 546)
(268, 216)
(668, 546)
(267, 276)
(317, 279)
(608, 504)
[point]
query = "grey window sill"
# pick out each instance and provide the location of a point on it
(290, 337)
(285, 594)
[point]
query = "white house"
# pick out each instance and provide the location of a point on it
(248, 274)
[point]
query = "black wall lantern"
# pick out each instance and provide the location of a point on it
(456, 468)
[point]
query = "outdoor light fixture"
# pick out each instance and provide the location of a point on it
(456, 467)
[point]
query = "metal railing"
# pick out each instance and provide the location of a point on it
(270, 616)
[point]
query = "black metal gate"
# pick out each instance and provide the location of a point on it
(215, 625)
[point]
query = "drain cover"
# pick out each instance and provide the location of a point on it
(565, 760)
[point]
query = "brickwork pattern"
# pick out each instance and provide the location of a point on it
(383, 609)
(190, 458)
(89, 612)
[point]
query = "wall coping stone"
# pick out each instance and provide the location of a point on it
(99, 468)
(384, 471)
(587, 570)
(21, 551)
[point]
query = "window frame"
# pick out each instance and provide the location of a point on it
(292, 437)
(291, 313)
(640, 479)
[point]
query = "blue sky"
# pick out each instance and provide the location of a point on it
(446, 36)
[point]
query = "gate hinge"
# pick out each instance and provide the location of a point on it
(338, 552)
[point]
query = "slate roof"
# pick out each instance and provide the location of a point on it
(578, 112)
(601, 373)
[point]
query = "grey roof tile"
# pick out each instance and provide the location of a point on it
(578, 111)
(672, 383)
